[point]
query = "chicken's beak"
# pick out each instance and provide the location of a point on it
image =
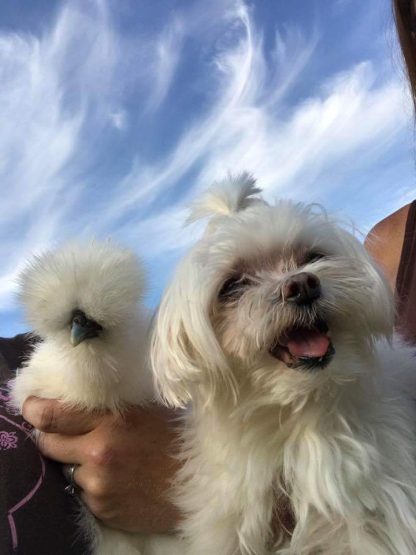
(83, 328)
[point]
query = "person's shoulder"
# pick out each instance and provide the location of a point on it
(385, 241)
(393, 224)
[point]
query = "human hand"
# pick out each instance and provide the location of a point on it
(125, 463)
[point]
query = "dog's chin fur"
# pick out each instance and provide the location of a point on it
(336, 436)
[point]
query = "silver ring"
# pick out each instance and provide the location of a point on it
(69, 471)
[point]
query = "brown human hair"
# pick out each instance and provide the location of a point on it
(405, 16)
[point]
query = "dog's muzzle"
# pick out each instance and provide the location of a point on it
(304, 348)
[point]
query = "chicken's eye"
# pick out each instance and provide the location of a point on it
(78, 317)
(233, 287)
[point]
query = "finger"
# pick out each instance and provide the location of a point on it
(82, 478)
(52, 416)
(95, 483)
(94, 506)
(61, 448)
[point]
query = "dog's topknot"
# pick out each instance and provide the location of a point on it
(226, 197)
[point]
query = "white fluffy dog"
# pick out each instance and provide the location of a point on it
(278, 329)
(83, 300)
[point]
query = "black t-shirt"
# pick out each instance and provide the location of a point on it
(37, 517)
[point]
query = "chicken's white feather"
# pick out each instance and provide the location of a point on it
(109, 371)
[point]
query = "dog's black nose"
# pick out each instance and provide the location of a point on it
(302, 288)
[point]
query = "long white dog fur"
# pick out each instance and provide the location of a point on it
(310, 400)
(307, 401)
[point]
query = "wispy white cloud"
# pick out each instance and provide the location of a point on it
(349, 123)
(64, 92)
(47, 84)
(246, 102)
(118, 118)
(167, 48)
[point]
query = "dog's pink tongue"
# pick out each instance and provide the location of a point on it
(308, 343)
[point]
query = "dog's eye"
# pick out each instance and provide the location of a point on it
(233, 287)
(312, 256)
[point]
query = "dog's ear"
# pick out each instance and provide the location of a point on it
(227, 197)
(185, 354)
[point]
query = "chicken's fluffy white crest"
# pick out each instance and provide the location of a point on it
(102, 279)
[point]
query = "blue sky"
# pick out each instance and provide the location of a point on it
(115, 115)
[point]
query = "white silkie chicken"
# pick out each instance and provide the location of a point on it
(84, 301)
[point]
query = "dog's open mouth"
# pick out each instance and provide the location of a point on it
(304, 347)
